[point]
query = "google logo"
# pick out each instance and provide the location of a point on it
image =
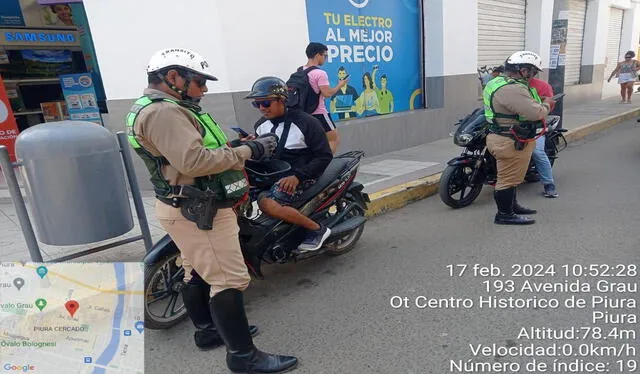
(23, 368)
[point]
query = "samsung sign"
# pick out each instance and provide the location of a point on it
(40, 37)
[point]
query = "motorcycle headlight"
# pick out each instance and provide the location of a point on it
(464, 139)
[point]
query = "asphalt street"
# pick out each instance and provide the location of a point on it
(335, 314)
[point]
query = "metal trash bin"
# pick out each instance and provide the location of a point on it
(75, 182)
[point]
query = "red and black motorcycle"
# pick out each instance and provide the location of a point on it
(336, 200)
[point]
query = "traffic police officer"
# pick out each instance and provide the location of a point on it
(197, 179)
(514, 115)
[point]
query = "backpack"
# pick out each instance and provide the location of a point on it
(301, 94)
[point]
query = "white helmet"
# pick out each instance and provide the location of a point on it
(180, 58)
(525, 58)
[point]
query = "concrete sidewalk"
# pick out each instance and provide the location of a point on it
(393, 180)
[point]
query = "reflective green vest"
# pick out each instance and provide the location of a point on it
(535, 95)
(228, 185)
(487, 95)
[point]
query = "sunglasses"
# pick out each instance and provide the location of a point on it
(200, 82)
(262, 103)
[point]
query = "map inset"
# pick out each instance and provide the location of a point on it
(72, 318)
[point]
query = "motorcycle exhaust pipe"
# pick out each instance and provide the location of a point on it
(346, 226)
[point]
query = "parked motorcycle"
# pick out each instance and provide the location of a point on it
(335, 200)
(463, 178)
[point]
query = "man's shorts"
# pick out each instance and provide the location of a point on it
(326, 121)
(284, 198)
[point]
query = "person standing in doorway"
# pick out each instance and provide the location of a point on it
(317, 54)
(626, 71)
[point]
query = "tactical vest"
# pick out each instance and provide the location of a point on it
(487, 95)
(228, 185)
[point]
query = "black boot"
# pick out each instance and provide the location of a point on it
(227, 309)
(195, 296)
(517, 208)
(506, 215)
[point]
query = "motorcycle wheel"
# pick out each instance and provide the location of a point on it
(455, 181)
(164, 307)
(349, 239)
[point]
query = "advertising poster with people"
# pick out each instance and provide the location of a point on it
(375, 44)
(80, 96)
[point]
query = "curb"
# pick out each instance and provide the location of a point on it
(600, 125)
(399, 196)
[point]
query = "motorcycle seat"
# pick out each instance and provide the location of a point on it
(330, 174)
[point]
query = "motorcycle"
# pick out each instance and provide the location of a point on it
(464, 176)
(336, 200)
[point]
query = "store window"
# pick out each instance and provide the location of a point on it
(377, 46)
(44, 43)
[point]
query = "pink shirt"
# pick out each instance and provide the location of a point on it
(317, 78)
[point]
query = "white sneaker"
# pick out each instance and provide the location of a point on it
(314, 239)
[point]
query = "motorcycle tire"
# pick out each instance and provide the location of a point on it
(448, 182)
(157, 288)
(348, 241)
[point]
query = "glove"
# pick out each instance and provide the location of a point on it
(264, 146)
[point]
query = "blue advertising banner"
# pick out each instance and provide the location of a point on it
(376, 44)
(80, 95)
(11, 13)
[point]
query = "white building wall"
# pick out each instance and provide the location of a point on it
(451, 37)
(594, 46)
(261, 39)
(622, 4)
(538, 28)
(631, 29)
(460, 37)
(242, 45)
(124, 43)
(628, 39)
(434, 38)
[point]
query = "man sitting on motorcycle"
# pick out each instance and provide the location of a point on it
(304, 146)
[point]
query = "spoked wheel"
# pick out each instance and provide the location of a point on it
(455, 186)
(164, 307)
(346, 242)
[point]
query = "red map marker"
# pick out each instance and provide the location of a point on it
(72, 306)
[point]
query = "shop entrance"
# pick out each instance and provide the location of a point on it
(42, 42)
